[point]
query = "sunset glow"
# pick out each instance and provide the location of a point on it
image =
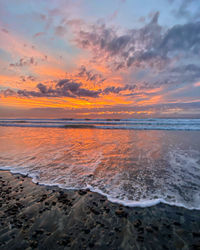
(60, 59)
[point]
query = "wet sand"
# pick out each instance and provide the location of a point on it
(40, 217)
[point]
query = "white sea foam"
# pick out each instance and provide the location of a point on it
(128, 203)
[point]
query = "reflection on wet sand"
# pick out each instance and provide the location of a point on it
(127, 166)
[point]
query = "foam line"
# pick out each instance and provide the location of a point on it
(129, 203)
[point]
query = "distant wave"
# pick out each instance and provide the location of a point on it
(137, 124)
(78, 126)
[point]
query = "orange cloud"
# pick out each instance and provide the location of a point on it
(197, 84)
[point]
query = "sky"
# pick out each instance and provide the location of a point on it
(99, 59)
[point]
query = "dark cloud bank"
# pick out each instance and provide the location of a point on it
(64, 88)
(171, 50)
(68, 88)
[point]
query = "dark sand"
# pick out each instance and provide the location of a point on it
(40, 217)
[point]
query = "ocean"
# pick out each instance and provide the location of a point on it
(134, 162)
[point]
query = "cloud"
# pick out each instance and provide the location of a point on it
(189, 68)
(117, 90)
(7, 92)
(5, 30)
(184, 38)
(60, 30)
(28, 78)
(187, 9)
(150, 46)
(189, 72)
(183, 74)
(64, 88)
(24, 62)
(39, 34)
(73, 89)
(197, 84)
(69, 88)
(136, 45)
(90, 75)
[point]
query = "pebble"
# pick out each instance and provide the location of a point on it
(137, 223)
(196, 234)
(87, 231)
(121, 213)
(140, 238)
(94, 211)
(149, 229)
(33, 243)
(82, 192)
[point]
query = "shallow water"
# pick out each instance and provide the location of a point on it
(132, 167)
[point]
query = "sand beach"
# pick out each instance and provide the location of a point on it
(40, 217)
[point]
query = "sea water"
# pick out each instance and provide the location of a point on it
(135, 162)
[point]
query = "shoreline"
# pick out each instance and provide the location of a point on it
(127, 203)
(47, 217)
